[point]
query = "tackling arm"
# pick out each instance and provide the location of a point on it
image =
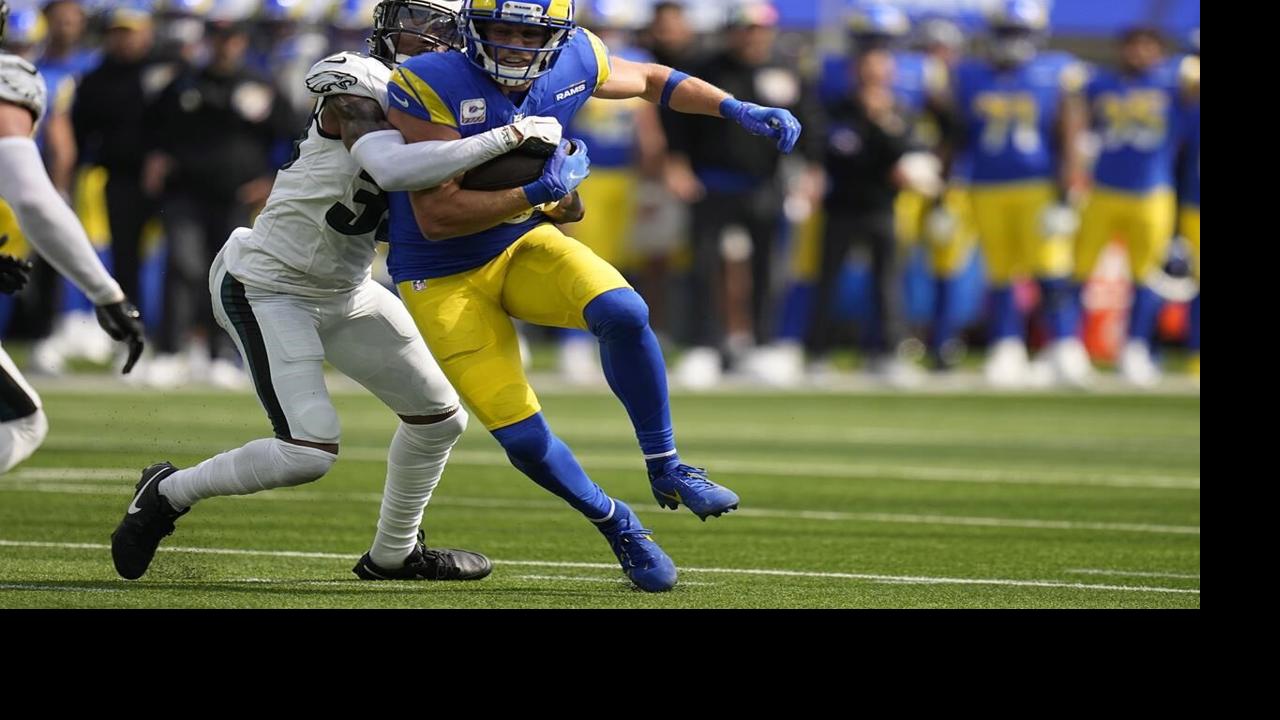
(394, 165)
(448, 211)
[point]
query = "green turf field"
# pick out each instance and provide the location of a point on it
(848, 501)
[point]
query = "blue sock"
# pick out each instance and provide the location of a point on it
(1193, 341)
(1058, 297)
(797, 308)
(636, 372)
(1144, 314)
(944, 312)
(534, 451)
(1006, 321)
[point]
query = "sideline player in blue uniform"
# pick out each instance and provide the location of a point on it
(1017, 146)
(467, 262)
(1139, 113)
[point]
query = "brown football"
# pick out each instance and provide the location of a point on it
(512, 170)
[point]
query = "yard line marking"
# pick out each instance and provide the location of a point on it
(1135, 573)
(610, 566)
(789, 469)
(585, 578)
(820, 515)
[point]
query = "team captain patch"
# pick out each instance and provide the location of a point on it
(473, 111)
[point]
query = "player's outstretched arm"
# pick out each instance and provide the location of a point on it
(396, 165)
(683, 93)
(55, 232)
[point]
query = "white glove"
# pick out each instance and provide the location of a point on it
(941, 226)
(545, 130)
(1059, 221)
(922, 172)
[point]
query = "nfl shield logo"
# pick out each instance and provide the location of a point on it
(419, 285)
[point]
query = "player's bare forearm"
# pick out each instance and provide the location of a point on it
(569, 209)
(352, 117)
(648, 80)
(448, 211)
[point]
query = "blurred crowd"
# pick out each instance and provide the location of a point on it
(958, 192)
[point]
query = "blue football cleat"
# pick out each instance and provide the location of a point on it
(689, 485)
(642, 560)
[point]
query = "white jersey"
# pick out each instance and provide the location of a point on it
(318, 233)
(21, 84)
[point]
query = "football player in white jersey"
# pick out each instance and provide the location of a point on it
(296, 290)
(56, 233)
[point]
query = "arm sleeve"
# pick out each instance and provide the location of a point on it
(397, 166)
(50, 226)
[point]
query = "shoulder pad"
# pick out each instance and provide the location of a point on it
(349, 74)
(22, 85)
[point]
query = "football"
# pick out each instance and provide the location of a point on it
(512, 170)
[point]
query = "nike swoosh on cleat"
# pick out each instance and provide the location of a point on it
(133, 506)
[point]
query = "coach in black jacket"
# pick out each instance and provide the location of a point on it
(867, 136)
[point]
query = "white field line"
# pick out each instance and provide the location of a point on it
(1135, 573)
(610, 566)
(795, 470)
(555, 506)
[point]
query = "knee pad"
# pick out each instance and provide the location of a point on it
(616, 313)
(299, 464)
(438, 436)
(315, 420)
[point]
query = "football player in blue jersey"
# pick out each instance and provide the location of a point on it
(468, 261)
(1016, 141)
(1139, 114)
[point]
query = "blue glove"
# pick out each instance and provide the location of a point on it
(769, 122)
(563, 173)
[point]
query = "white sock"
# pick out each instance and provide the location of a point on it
(259, 465)
(414, 463)
(19, 438)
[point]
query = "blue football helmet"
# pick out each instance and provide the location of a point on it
(26, 26)
(1018, 29)
(556, 17)
(877, 26)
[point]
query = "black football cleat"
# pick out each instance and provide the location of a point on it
(147, 521)
(429, 564)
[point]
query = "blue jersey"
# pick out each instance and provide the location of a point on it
(448, 89)
(1138, 120)
(1189, 182)
(61, 78)
(1010, 115)
(609, 126)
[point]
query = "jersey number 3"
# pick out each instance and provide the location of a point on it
(373, 211)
